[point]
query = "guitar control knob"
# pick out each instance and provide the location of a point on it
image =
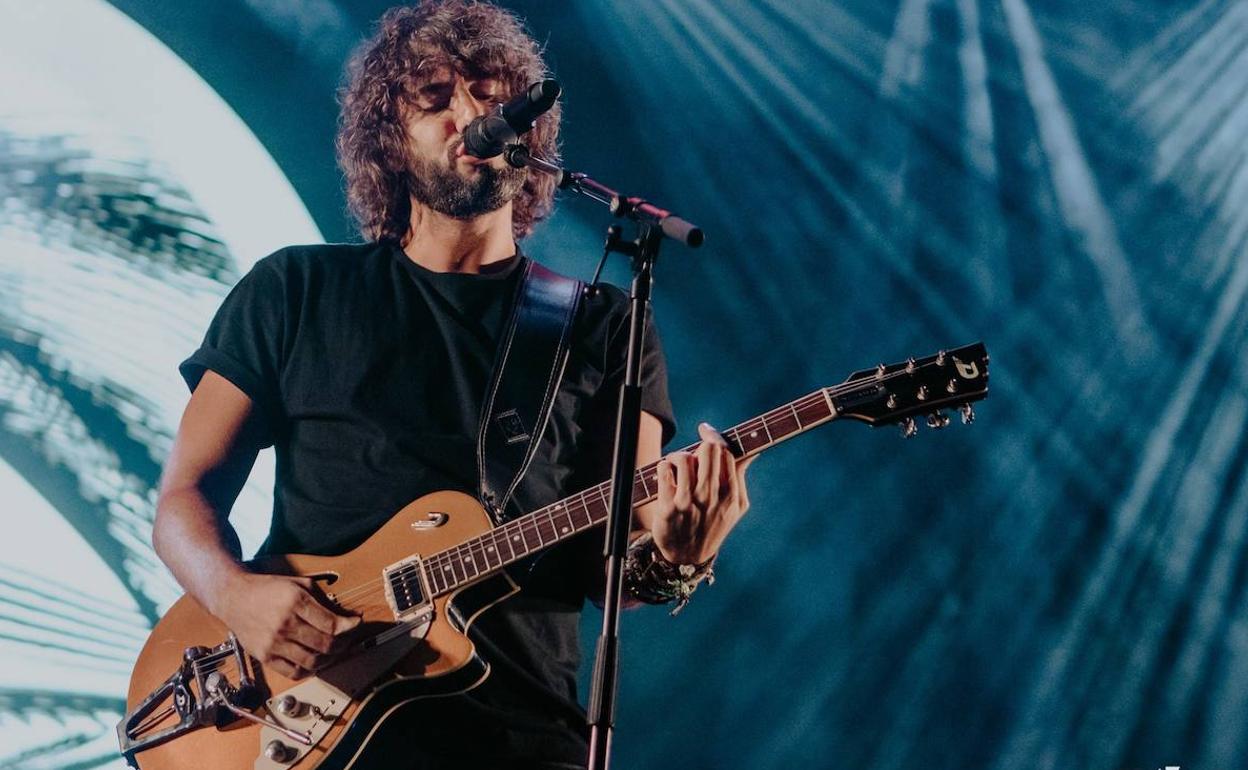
(290, 706)
(278, 751)
(909, 428)
(968, 414)
(937, 420)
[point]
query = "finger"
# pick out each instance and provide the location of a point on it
(285, 668)
(702, 485)
(710, 435)
(322, 618)
(743, 494)
(344, 623)
(710, 462)
(667, 482)
(297, 654)
(682, 464)
(312, 638)
(728, 486)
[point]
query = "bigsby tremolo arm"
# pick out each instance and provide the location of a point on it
(200, 694)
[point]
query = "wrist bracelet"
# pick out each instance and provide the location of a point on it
(650, 578)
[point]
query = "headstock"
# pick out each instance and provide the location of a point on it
(898, 393)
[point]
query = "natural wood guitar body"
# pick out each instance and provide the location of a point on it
(443, 662)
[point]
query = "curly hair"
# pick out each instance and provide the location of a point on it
(473, 38)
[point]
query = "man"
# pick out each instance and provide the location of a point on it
(365, 365)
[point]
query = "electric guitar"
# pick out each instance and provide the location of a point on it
(197, 699)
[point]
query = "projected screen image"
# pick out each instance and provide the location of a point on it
(131, 199)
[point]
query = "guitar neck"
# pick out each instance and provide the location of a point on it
(450, 569)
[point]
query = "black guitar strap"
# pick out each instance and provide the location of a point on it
(532, 354)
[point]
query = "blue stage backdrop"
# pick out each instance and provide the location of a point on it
(1059, 585)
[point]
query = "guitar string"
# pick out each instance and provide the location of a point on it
(532, 521)
(210, 663)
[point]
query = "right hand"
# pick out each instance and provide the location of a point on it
(281, 622)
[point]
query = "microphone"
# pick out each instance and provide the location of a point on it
(489, 134)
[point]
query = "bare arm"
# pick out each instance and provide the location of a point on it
(278, 619)
(213, 452)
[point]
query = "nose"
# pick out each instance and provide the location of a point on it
(464, 106)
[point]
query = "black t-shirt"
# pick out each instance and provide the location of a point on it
(369, 372)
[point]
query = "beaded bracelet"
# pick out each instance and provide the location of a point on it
(652, 579)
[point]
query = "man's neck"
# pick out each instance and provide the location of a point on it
(447, 245)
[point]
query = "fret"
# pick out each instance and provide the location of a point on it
(754, 440)
(793, 409)
(542, 539)
(649, 475)
(828, 398)
(582, 519)
(564, 523)
(517, 542)
(550, 529)
(504, 543)
(469, 563)
(492, 559)
(457, 567)
(447, 570)
(782, 426)
(528, 533)
(818, 409)
(606, 500)
(431, 576)
(638, 494)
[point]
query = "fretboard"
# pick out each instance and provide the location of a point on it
(448, 570)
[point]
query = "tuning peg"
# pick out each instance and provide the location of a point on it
(880, 371)
(922, 393)
(937, 420)
(909, 428)
(911, 365)
(940, 358)
(968, 414)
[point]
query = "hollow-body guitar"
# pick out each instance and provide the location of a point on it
(197, 699)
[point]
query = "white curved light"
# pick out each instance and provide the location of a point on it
(81, 68)
(82, 62)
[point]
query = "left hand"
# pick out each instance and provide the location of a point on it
(702, 496)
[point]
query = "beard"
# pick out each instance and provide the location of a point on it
(442, 188)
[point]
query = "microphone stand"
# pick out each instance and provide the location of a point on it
(653, 225)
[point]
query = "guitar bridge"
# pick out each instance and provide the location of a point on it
(198, 694)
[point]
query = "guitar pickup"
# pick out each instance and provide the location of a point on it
(407, 591)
